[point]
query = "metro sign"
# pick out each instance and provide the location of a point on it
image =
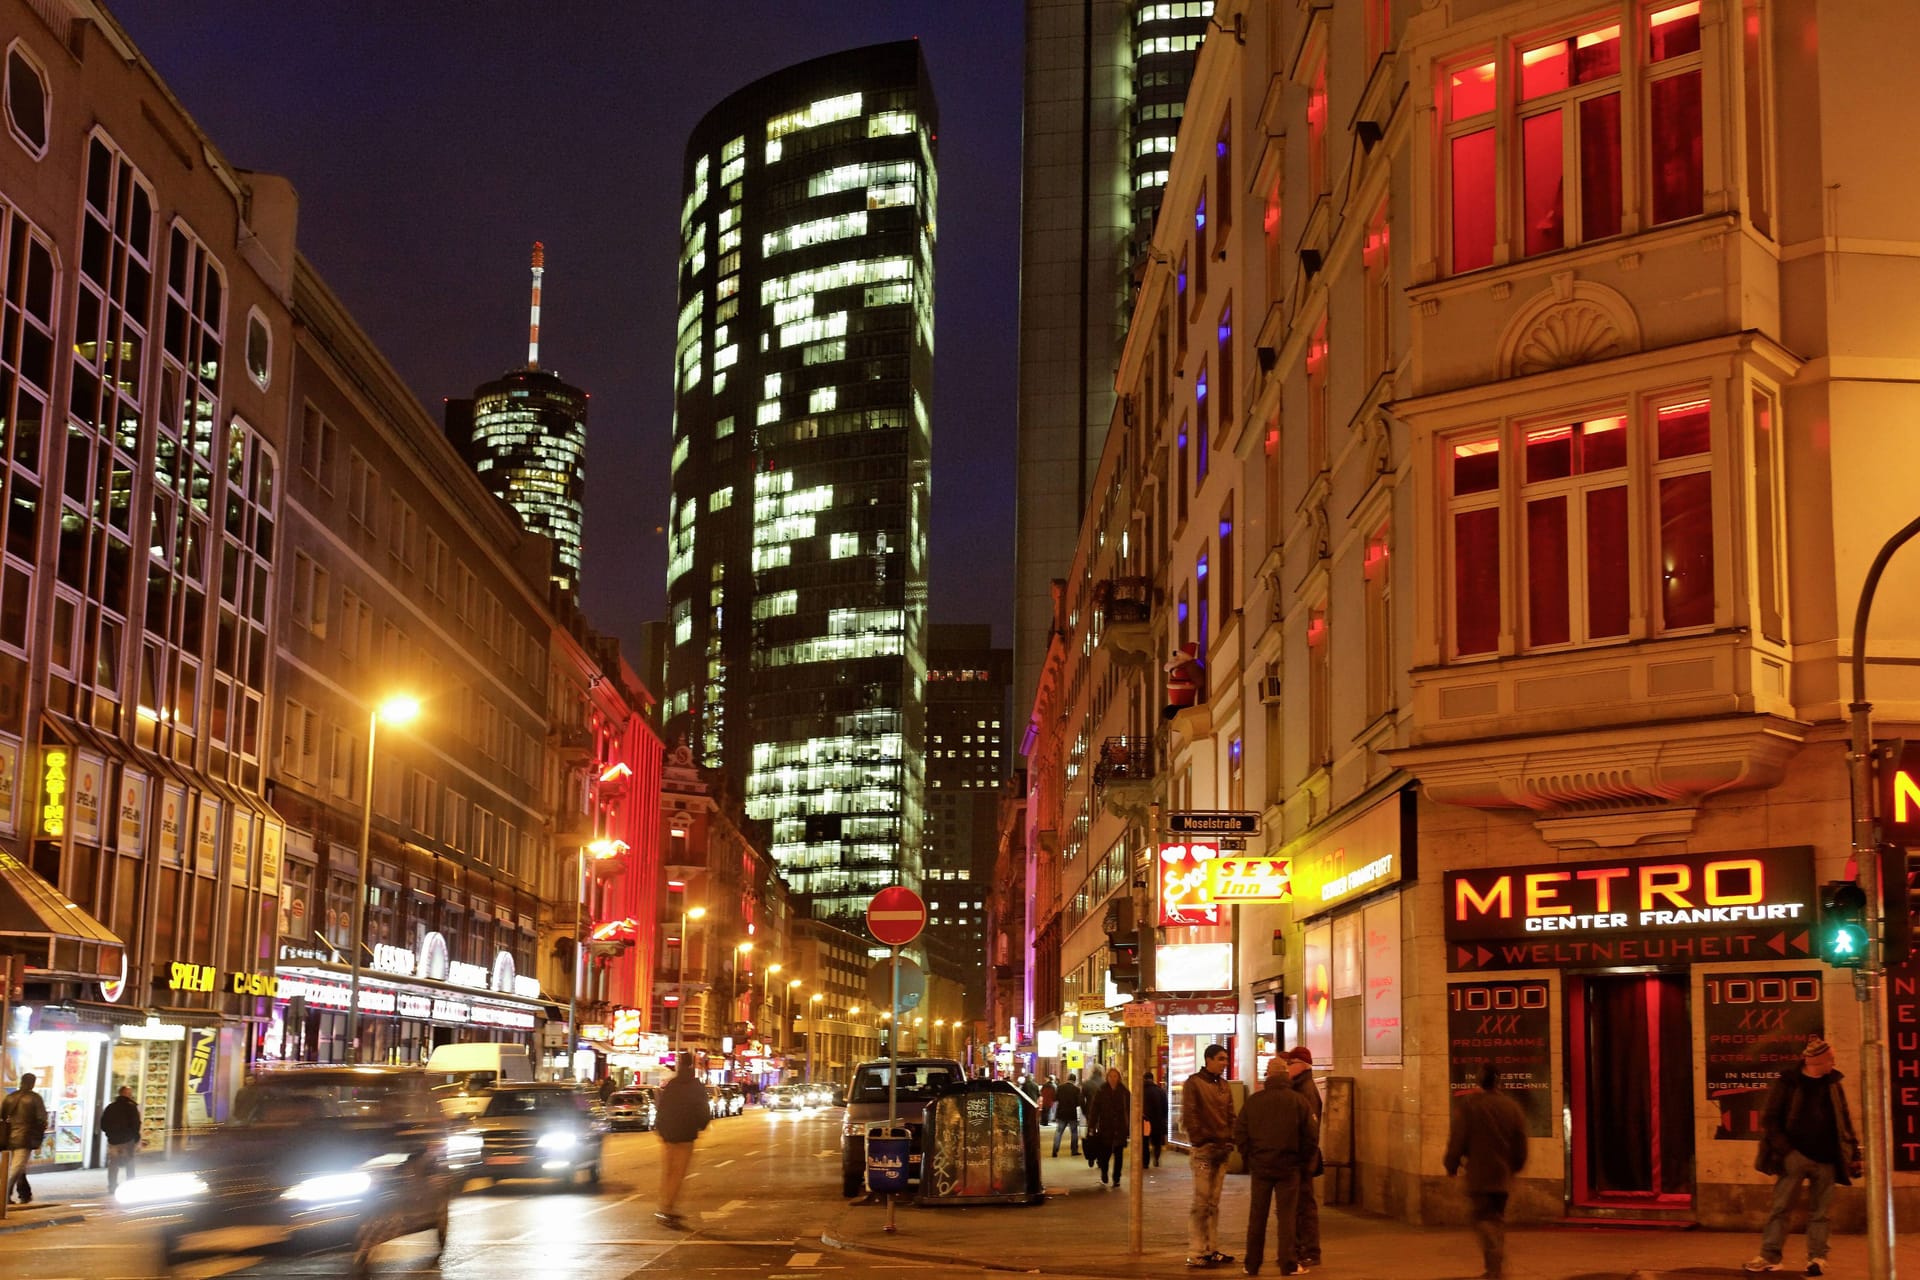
(1250, 879)
(1900, 795)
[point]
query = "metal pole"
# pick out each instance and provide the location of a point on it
(893, 1042)
(733, 1000)
(579, 954)
(1867, 982)
(357, 943)
(1140, 1039)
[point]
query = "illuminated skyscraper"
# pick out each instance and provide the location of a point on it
(529, 444)
(796, 583)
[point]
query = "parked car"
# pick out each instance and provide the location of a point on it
(540, 1131)
(631, 1109)
(311, 1159)
(919, 1080)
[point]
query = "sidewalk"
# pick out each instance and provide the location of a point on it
(1081, 1230)
(59, 1200)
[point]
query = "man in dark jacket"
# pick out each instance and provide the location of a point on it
(680, 1113)
(1206, 1113)
(1806, 1133)
(1490, 1134)
(1277, 1136)
(1089, 1095)
(23, 1124)
(1306, 1227)
(1153, 1104)
(1066, 1113)
(1111, 1123)
(120, 1126)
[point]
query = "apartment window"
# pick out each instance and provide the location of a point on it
(1317, 407)
(1756, 93)
(1556, 134)
(1203, 595)
(1584, 490)
(363, 491)
(1270, 466)
(1377, 268)
(1223, 364)
(1317, 133)
(1200, 250)
(1181, 472)
(1223, 182)
(1236, 773)
(1182, 610)
(1180, 314)
(1766, 525)
(311, 587)
(1228, 584)
(1319, 688)
(27, 100)
(1276, 257)
(300, 745)
(318, 439)
(403, 530)
(1202, 428)
(340, 762)
(1379, 28)
(1377, 597)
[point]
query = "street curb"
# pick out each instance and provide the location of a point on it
(64, 1220)
(946, 1259)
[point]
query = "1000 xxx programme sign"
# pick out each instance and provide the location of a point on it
(1757, 904)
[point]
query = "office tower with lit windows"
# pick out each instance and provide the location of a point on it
(969, 754)
(528, 441)
(796, 583)
(1106, 87)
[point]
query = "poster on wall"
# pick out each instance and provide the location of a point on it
(270, 834)
(1316, 994)
(89, 784)
(200, 1044)
(240, 848)
(1380, 930)
(1756, 1024)
(1507, 1024)
(173, 805)
(9, 779)
(131, 836)
(206, 842)
(1347, 981)
(1903, 1061)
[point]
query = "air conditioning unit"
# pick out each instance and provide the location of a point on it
(1270, 689)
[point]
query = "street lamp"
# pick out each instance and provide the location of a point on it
(813, 1018)
(680, 1012)
(765, 1015)
(396, 710)
(601, 849)
(733, 995)
(788, 1018)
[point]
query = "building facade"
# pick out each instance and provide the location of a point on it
(1498, 425)
(1106, 86)
(796, 584)
(140, 857)
(969, 734)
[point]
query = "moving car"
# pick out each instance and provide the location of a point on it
(631, 1109)
(919, 1080)
(540, 1131)
(780, 1097)
(734, 1097)
(312, 1159)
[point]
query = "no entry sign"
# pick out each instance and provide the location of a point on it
(895, 916)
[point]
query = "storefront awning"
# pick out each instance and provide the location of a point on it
(57, 938)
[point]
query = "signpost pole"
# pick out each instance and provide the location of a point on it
(1140, 1039)
(893, 1064)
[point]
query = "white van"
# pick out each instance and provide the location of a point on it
(465, 1072)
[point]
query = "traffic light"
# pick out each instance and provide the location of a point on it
(1900, 891)
(1843, 924)
(1123, 941)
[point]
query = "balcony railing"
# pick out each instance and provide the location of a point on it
(1124, 759)
(1125, 600)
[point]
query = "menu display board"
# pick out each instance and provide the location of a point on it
(1756, 1024)
(1508, 1025)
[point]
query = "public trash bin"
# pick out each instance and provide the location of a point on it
(888, 1149)
(981, 1146)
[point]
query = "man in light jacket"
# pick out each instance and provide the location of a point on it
(1206, 1113)
(1490, 1134)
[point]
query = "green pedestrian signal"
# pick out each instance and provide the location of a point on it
(1843, 924)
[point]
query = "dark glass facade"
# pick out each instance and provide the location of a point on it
(796, 582)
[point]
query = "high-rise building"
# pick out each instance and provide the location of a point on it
(528, 441)
(968, 753)
(796, 583)
(1106, 86)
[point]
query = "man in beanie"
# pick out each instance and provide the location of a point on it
(1306, 1230)
(1206, 1113)
(1806, 1133)
(1489, 1133)
(1278, 1137)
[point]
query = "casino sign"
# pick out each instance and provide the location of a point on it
(1746, 905)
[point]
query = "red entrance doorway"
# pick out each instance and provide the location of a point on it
(1630, 1053)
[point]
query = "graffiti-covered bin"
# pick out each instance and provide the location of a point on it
(982, 1146)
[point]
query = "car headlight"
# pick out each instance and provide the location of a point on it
(561, 1141)
(159, 1188)
(460, 1145)
(329, 1188)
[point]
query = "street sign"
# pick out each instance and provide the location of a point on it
(1214, 822)
(913, 985)
(1096, 1003)
(896, 915)
(1900, 794)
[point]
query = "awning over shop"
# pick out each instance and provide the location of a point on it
(57, 938)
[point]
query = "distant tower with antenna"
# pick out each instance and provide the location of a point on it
(528, 442)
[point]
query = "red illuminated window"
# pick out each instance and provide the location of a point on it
(1270, 448)
(1317, 133)
(1379, 28)
(1378, 269)
(1474, 466)
(1270, 230)
(1675, 179)
(1575, 501)
(1683, 471)
(1378, 600)
(1319, 688)
(1317, 406)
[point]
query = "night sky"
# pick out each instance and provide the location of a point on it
(432, 142)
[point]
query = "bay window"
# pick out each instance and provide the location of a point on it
(1538, 131)
(1596, 522)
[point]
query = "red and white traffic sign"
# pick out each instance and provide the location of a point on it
(896, 915)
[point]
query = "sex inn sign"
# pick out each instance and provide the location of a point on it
(1756, 904)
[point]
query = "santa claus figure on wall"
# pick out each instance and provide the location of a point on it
(1186, 680)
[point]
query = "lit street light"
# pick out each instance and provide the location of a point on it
(600, 849)
(813, 1019)
(733, 996)
(788, 1018)
(397, 710)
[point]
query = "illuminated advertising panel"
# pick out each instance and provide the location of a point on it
(1184, 896)
(1250, 880)
(1756, 904)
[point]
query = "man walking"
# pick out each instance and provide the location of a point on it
(1110, 1123)
(23, 1121)
(1306, 1227)
(1049, 1093)
(680, 1113)
(1806, 1134)
(1206, 1112)
(1277, 1136)
(1090, 1097)
(1066, 1113)
(1153, 1103)
(1490, 1134)
(120, 1126)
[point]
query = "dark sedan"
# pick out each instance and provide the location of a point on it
(324, 1158)
(540, 1131)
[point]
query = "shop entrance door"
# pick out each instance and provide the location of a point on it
(1630, 1051)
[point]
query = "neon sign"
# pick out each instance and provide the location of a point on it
(1250, 879)
(53, 808)
(1184, 897)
